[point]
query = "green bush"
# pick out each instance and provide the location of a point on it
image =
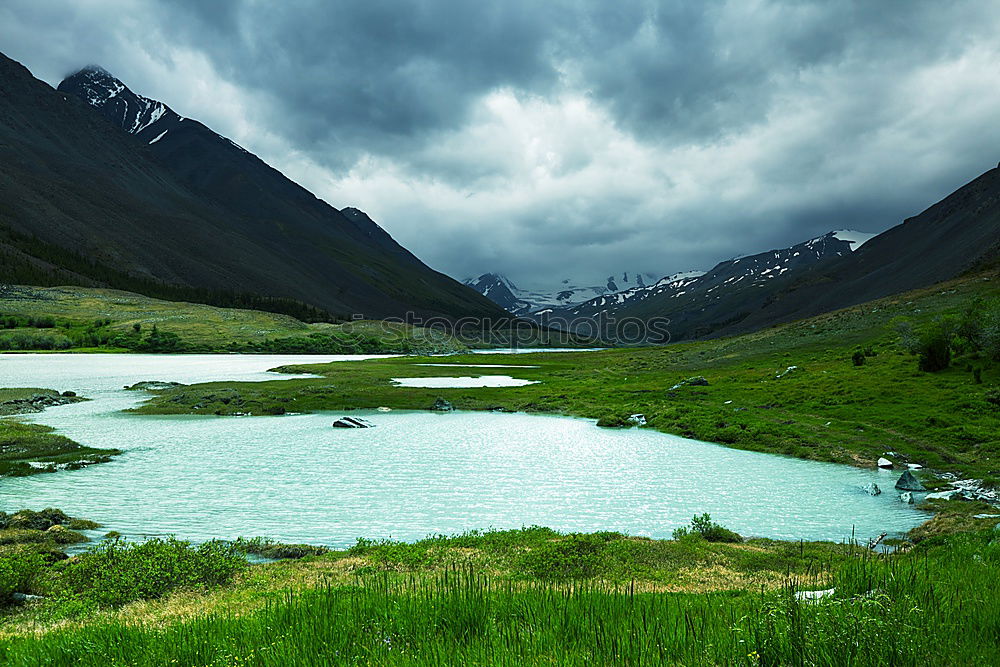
(115, 572)
(934, 351)
(858, 357)
(575, 556)
(703, 526)
(17, 571)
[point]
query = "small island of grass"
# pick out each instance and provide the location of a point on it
(30, 449)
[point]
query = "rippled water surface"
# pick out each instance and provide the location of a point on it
(294, 478)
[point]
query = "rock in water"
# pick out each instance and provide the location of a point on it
(152, 385)
(907, 482)
(906, 497)
(884, 463)
(352, 422)
(872, 489)
(442, 405)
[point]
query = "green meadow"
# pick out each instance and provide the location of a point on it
(82, 319)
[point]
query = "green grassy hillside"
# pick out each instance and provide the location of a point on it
(61, 318)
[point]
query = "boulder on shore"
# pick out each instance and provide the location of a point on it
(884, 463)
(442, 405)
(697, 381)
(944, 495)
(908, 482)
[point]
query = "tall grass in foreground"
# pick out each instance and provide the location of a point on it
(939, 608)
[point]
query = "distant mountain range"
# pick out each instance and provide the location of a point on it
(961, 233)
(100, 186)
(518, 301)
(737, 273)
(703, 289)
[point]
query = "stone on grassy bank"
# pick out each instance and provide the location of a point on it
(697, 381)
(908, 482)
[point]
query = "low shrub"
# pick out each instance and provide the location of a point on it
(115, 572)
(575, 556)
(18, 569)
(703, 526)
(934, 351)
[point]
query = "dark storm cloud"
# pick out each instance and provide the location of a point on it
(570, 138)
(371, 76)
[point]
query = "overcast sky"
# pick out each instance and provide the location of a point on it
(554, 138)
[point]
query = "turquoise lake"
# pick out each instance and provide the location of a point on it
(295, 479)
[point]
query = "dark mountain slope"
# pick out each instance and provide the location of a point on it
(499, 290)
(960, 233)
(218, 220)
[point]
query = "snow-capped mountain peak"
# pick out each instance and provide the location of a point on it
(97, 85)
(99, 88)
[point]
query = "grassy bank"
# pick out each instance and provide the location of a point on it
(30, 449)
(531, 596)
(795, 389)
(90, 319)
